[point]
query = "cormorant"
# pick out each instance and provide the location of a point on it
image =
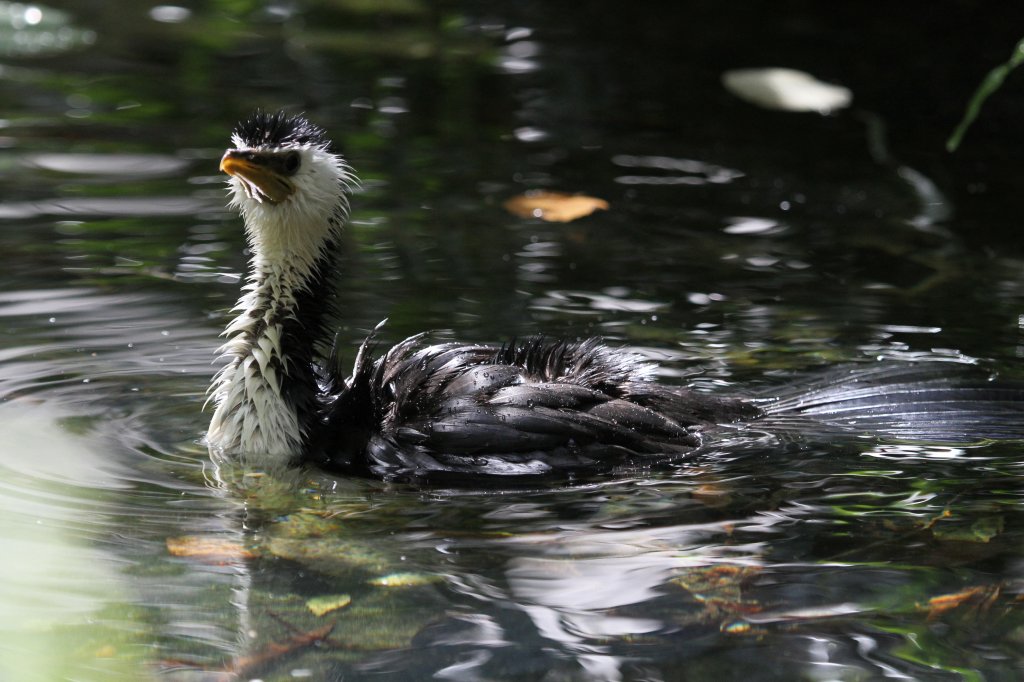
(530, 407)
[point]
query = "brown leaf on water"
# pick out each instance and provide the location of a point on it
(210, 549)
(554, 207)
(979, 598)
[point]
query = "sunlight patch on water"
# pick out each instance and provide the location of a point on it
(904, 452)
(52, 583)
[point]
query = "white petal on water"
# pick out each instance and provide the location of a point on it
(787, 89)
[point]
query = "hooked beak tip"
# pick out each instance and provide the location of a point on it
(229, 162)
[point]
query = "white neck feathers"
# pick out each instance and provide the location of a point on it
(253, 418)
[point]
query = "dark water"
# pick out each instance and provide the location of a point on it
(743, 246)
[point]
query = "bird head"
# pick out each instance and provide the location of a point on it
(290, 187)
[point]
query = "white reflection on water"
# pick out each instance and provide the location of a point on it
(903, 452)
(689, 171)
(573, 584)
(751, 225)
(126, 165)
(612, 299)
(132, 207)
(66, 337)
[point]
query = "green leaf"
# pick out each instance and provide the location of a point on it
(992, 82)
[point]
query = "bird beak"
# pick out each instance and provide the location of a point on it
(255, 171)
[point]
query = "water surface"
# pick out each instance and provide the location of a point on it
(742, 247)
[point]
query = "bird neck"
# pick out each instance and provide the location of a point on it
(266, 396)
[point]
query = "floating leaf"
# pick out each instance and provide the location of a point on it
(327, 603)
(554, 206)
(980, 597)
(786, 89)
(405, 580)
(212, 549)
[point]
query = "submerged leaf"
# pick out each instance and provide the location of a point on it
(405, 580)
(554, 206)
(216, 550)
(334, 556)
(981, 530)
(330, 602)
(980, 597)
(247, 667)
(719, 589)
(713, 494)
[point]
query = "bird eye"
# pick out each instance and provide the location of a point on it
(291, 162)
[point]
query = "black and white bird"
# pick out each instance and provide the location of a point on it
(528, 408)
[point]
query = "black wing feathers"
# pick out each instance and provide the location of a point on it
(532, 406)
(539, 407)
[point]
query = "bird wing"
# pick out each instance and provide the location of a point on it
(931, 401)
(466, 414)
(528, 408)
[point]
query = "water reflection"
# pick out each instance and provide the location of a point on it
(694, 172)
(119, 165)
(85, 207)
(607, 576)
(580, 587)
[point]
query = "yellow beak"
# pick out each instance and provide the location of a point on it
(258, 179)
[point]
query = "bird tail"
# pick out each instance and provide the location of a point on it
(934, 402)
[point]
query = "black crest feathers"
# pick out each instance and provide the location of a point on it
(280, 129)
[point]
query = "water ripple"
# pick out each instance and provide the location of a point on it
(88, 207)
